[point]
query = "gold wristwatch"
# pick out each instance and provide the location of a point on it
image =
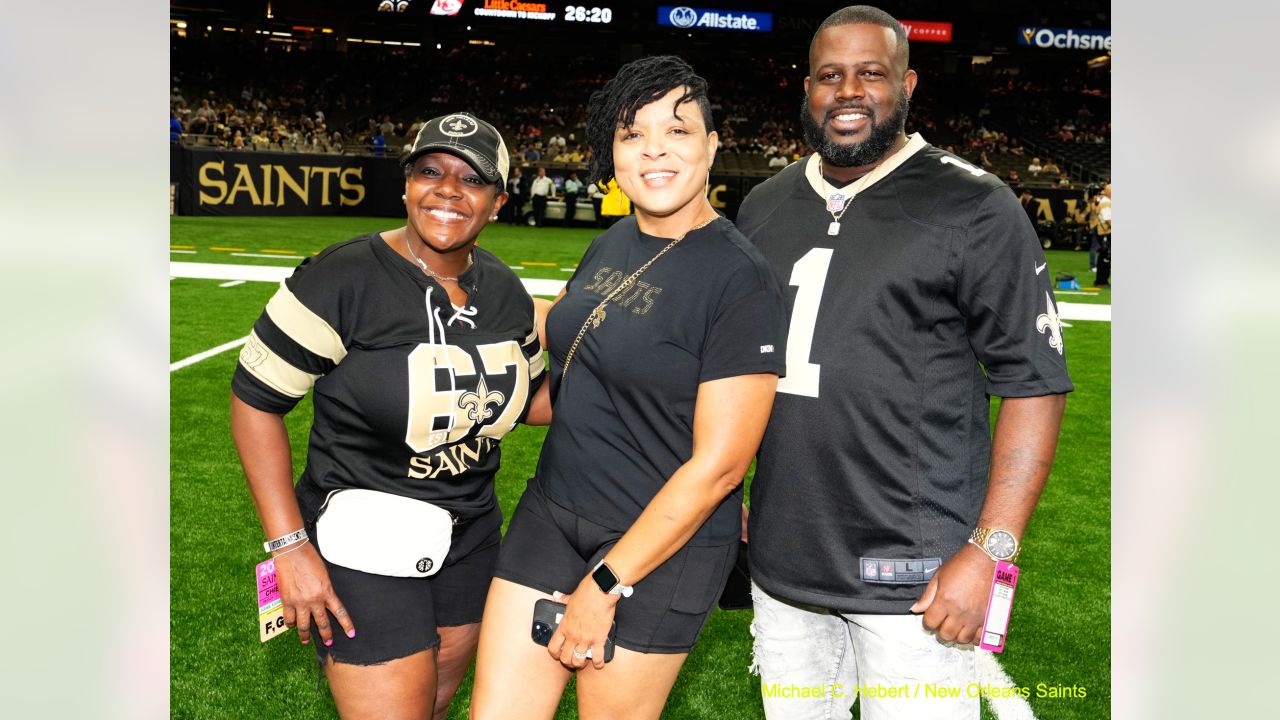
(997, 544)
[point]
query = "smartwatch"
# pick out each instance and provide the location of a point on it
(608, 581)
(997, 544)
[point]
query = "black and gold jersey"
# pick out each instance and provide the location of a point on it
(708, 309)
(412, 394)
(932, 295)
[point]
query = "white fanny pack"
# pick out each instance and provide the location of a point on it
(383, 534)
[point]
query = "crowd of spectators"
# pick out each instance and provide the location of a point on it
(371, 100)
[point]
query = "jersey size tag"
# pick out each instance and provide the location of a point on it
(896, 571)
(999, 606)
(270, 607)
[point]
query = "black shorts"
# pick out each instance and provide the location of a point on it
(550, 548)
(396, 617)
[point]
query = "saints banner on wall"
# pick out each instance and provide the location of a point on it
(216, 182)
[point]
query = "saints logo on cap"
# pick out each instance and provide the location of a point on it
(458, 126)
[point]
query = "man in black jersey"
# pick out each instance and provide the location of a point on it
(916, 289)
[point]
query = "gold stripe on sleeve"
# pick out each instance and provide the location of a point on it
(305, 327)
(533, 338)
(537, 365)
(273, 370)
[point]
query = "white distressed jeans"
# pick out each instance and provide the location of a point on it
(815, 664)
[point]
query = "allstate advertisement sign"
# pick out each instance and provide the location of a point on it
(684, 17)
(1064, 38)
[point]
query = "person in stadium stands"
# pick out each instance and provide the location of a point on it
(540, 191)
(1034, 167)
(572, 188)
(615, 204)
(914, 271)
(596, 196)
(517, 192)
(175, 127)
(662, 386)
(423, 352)
(1103, 268)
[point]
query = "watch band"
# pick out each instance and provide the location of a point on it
(608, 582)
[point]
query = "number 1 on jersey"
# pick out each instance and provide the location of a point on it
(809, 274)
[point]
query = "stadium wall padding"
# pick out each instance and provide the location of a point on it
(223, 182)
(231, 182)
(220, 182)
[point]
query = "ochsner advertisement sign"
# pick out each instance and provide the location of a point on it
(1065, 38)
(684, 17)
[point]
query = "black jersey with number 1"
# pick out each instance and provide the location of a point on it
(932, 295)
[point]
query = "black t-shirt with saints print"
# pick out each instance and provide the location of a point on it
(708, 309)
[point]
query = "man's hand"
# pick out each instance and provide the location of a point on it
(955, 600)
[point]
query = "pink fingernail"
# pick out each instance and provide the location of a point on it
(351, 633)
(327, 643)
(304, 642)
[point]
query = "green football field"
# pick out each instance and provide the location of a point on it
(1060, 634)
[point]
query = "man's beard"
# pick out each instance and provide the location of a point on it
(875, 147)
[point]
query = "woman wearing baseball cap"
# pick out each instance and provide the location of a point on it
(666, 348)
(422, 352)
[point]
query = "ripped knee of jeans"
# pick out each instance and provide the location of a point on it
(764, 660)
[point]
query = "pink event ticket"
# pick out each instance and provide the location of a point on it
(270, 607)
(999, 606)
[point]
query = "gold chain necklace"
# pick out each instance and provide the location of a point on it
(597, 316)
(426, 269)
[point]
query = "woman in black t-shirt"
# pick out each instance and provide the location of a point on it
(666, 348)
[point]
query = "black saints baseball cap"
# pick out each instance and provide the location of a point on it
(468, 137)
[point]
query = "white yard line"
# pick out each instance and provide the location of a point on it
(1073, 292)
(534, 286)
(990, 673)
(1084, 311)
(276, 273)
(207, 354)
(232, 283)
(184, 252)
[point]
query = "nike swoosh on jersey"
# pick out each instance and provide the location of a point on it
(1040, 267)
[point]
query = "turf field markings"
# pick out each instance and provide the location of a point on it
(1072, 292)
(184, 252)
(182, 247)
(276, 273)
(1084, 311)
(222, 249)
(206, 354)
(280, 252)
(258, 255)
(537, 264)
(516, 267)
(568, 269)
(232, 283)
(990, 673)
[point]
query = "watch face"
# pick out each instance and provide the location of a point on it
(1001, 544)
(604, 577)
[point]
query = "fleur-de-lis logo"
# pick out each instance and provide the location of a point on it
(458, 126)
(1049, 321)
(477, 403)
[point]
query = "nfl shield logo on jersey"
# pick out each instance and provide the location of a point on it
(835, 203)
